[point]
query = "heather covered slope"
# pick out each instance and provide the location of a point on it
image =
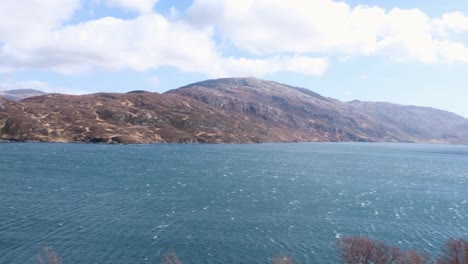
(130, 118)
(329, 119)
(417, 123)
(233, 110)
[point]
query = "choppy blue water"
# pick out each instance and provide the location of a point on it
(226, 203)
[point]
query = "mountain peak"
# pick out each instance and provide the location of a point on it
(235, 81)
(252, 84)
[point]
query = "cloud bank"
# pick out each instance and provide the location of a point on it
(223, 37)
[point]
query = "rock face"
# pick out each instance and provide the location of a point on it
(234, 110)
(20, 94)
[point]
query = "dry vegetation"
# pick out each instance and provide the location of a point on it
(361, 250)
(171, 258)
(48, 256)
(352, 250)
(455, 252)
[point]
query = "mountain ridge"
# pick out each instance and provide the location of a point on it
(228, 110)
(20, 94)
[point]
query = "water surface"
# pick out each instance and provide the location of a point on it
(115, 204)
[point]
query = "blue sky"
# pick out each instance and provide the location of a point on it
(406, 52)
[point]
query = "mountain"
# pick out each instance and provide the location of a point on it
(20, 94)
(231, 110)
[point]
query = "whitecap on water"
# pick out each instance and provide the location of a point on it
(365, 203)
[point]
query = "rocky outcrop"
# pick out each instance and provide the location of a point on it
(235, 110)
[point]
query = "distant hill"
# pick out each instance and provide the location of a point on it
(20, 94)
(231, 110)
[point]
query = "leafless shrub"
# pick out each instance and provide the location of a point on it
(361, 250)
(455, 251)
(411, 257)
(171, 258)
(48, 256)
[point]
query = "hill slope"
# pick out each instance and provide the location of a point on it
(233, 110)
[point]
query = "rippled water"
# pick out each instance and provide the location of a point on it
(226, 203)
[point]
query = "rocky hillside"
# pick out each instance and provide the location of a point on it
(234, 110)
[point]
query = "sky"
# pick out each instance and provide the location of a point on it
(406, 52)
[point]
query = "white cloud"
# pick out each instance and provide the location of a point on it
(262, 67)
(297, 26)
(141, 6)
(406, 34)
(142, 43)
(266, 27)
(269, 35)
(22, 21)
(4, 70)
(453, 51)
(174, 13)
(154, 81)
(454, 22)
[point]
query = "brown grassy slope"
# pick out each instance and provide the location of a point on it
(234, 110)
